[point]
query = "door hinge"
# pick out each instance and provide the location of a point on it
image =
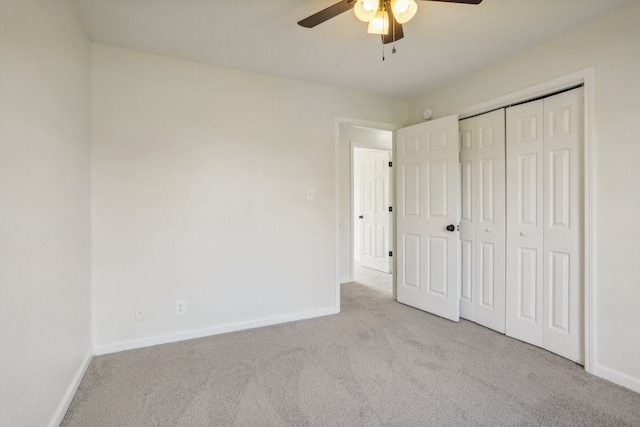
(390, 253)
(390, 208)
(390, 164)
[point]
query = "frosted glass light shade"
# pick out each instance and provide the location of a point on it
(380, 23)
(399, 6)
(366, 10)
(404, 10)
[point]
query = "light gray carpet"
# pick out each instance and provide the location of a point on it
(378, 363)
(373, 278)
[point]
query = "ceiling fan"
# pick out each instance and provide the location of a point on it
(385, 17)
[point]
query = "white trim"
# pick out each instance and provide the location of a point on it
(336, 219)
(341, 120)
(374, 145)
(394, 220)
(585, 77)
(531, 92)
(338, 121)
(344, 280)
(213, 330)
(63, 406)
(352, 212)
(617, 377)
(589, 224)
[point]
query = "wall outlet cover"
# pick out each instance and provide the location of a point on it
(139, 312)
(181, 307)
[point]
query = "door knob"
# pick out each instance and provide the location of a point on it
(451, 227)
(488, 230)
(522, 233)
(360, 216)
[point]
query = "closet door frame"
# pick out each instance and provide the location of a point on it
(583, 77)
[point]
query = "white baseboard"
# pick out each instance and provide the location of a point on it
(620, 378)
(213, 330)
(346, 280)
(61, 410)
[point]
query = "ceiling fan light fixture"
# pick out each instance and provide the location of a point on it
(366, 10)
(399, 6)
(380, 23)
(385, 17)
(403, 10)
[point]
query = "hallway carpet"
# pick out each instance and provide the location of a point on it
(373, 278)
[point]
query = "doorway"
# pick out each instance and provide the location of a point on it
(365, 137)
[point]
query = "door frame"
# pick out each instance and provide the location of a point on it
(586, 78)
(369, 146)
(348, 121)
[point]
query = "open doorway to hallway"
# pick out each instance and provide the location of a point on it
(362, 242)
(373, 279)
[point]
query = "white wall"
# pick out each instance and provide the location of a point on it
(611, 44)
(45, 302)
(199, 193)
(361, 136)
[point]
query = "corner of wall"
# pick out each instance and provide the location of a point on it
(67, 398)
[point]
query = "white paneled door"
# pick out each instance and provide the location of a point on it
(428, 210)
(376, 218)
(563, 223)
(468, 233)
(483, 223)
(544, 223)
(525, 162)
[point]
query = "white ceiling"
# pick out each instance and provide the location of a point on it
(443, 42)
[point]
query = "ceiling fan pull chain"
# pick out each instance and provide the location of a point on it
(393, 51)
(383, 49)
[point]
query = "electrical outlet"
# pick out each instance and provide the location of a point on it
(181, 307)
(140, 312)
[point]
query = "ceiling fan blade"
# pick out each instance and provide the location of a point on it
(393, 35)
(326, 14)
(460, 1)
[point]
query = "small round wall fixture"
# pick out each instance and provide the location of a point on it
(427, 113)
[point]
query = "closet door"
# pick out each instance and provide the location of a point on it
(544, 223)
(563, 190)
(525, 222)
(491, 224)
(482, 172)
(467, 220)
